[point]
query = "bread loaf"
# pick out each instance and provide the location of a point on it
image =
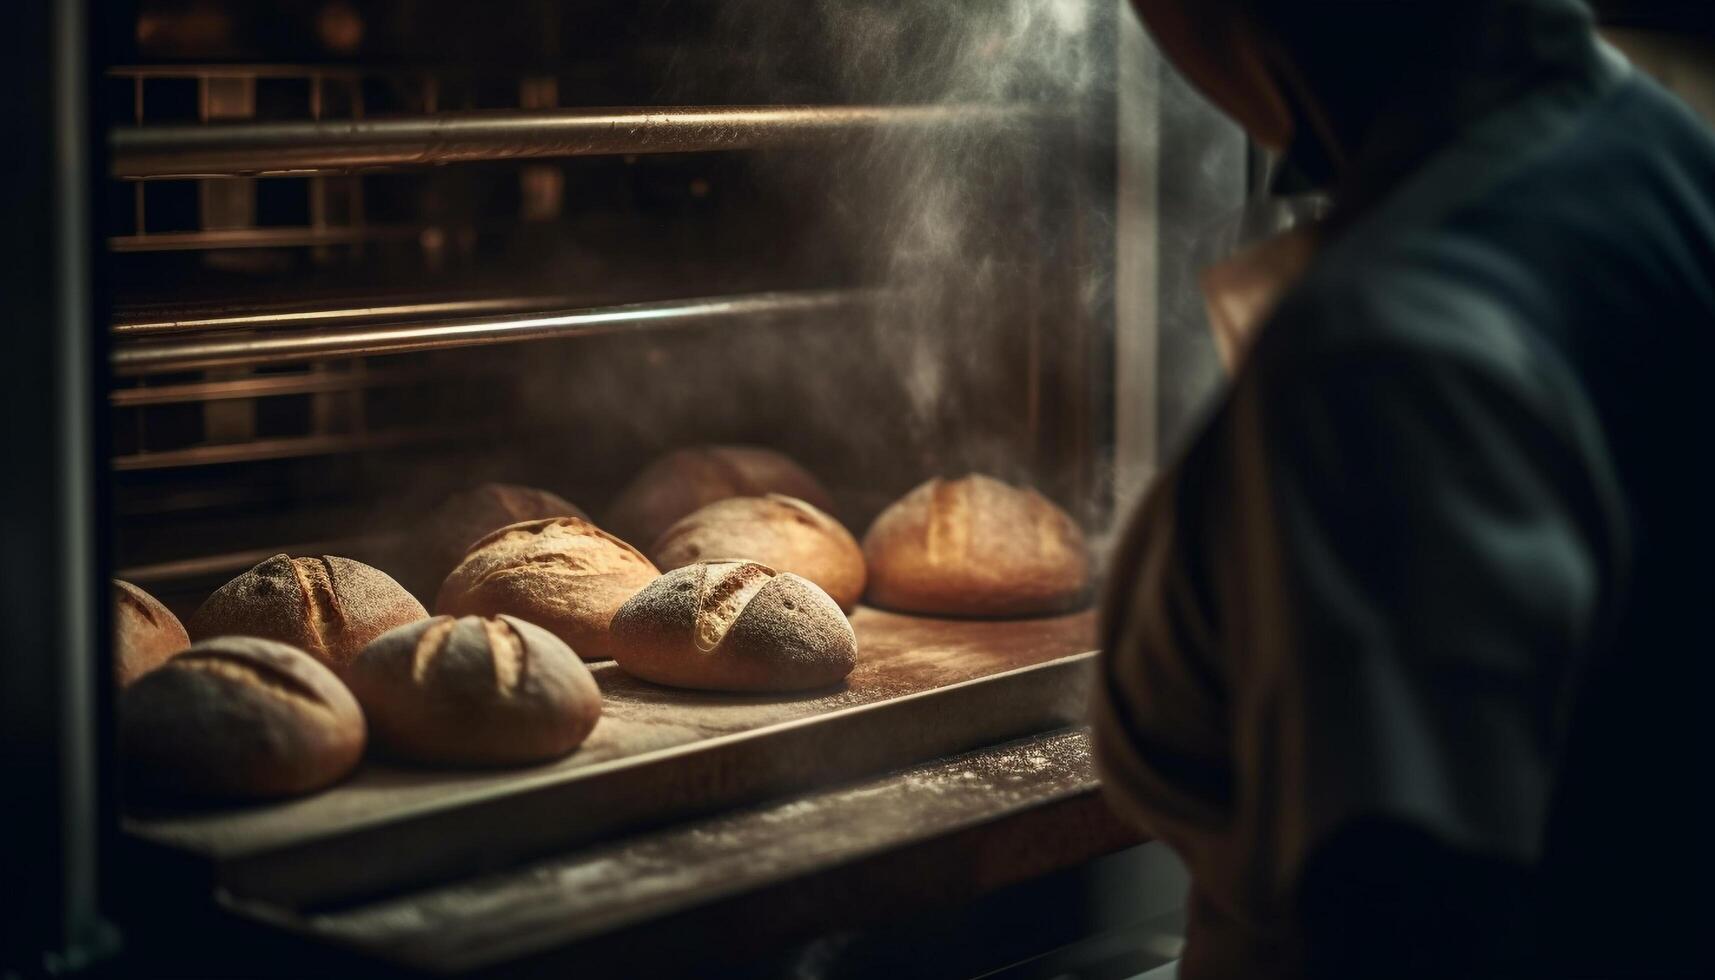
(686, 479)
(784, 533)
(434, 549)
(145, 633)
(238, 718)
(564, 574)
(329, 607)
(474, 692)
(734, 626)
(976, 547)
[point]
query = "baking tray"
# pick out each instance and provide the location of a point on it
(923, 688)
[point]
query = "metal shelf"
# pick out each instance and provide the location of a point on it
(232, 562)
(311, 147)
(267, 386)
(270, 347)
(162, 319)
(259, 450)
(231, 238)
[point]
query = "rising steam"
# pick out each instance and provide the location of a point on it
(972, 229)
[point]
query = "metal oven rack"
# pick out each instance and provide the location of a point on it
(316, 147)
(226, 358)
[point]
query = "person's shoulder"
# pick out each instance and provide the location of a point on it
(1524, 236)
(1421, 297)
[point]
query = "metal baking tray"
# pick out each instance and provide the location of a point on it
(923, 688)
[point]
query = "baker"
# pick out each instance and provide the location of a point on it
(1408, 652)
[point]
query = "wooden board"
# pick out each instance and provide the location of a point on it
(922, 688)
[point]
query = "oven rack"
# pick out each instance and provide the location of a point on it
(264, 341)
(168, 318)
(230, 563)
(284, 237)
(314, 382)
(296, 447)
(234, 562)
(307, 147)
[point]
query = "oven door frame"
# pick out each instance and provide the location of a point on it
(55, 693)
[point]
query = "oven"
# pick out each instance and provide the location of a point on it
(305, 268)
(287, 274)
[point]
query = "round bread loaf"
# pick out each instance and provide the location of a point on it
(734, 626)
(564, 574)
(976, 547)
(463, 519)
(781, 532)
(329, 607)
(475, 692)
(238, 718)
(145, 633)
(686, 479)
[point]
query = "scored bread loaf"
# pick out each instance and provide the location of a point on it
(464, 518)
(976, 547)
(781, 532)
(238, 718)
(564, 574)
(474, 692)
(145, 633)
(683, 480)
(327, 606)
(734, 626)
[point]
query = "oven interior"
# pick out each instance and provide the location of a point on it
(363, 255)
(923, 287)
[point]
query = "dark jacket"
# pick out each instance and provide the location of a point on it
(1408, 654)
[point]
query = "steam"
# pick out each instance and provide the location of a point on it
(974, 231)
(952, 218)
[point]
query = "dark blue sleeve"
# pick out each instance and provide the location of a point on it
(1361, 597)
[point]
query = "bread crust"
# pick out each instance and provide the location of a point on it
(734, 626)
(475, 692)
(684, 480)
(327, 606)
(564, 574)
(976, 547)
(146, 634)
(238, 718)
(781, 532)
(463, 519)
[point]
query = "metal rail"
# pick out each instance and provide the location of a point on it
(310, 147)
(295, 447)
(233, 562)
(231, 238)
(162, 319)
(162, 356)
(267, 386)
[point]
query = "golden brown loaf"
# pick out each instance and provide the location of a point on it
(145, 633)
(683, 480)
(466, 517)
(781, 532)
(475, 691)
(238, 718)
(734, 626)
(564, 574)
(976, 547)
(329, 607)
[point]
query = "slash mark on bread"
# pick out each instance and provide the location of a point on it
(428, 645)
(246, 671)
(315, 580)
(143, 608)
(949, 527)
(723, 592)
(507, 652)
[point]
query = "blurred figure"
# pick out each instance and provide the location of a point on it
(1407, 654)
